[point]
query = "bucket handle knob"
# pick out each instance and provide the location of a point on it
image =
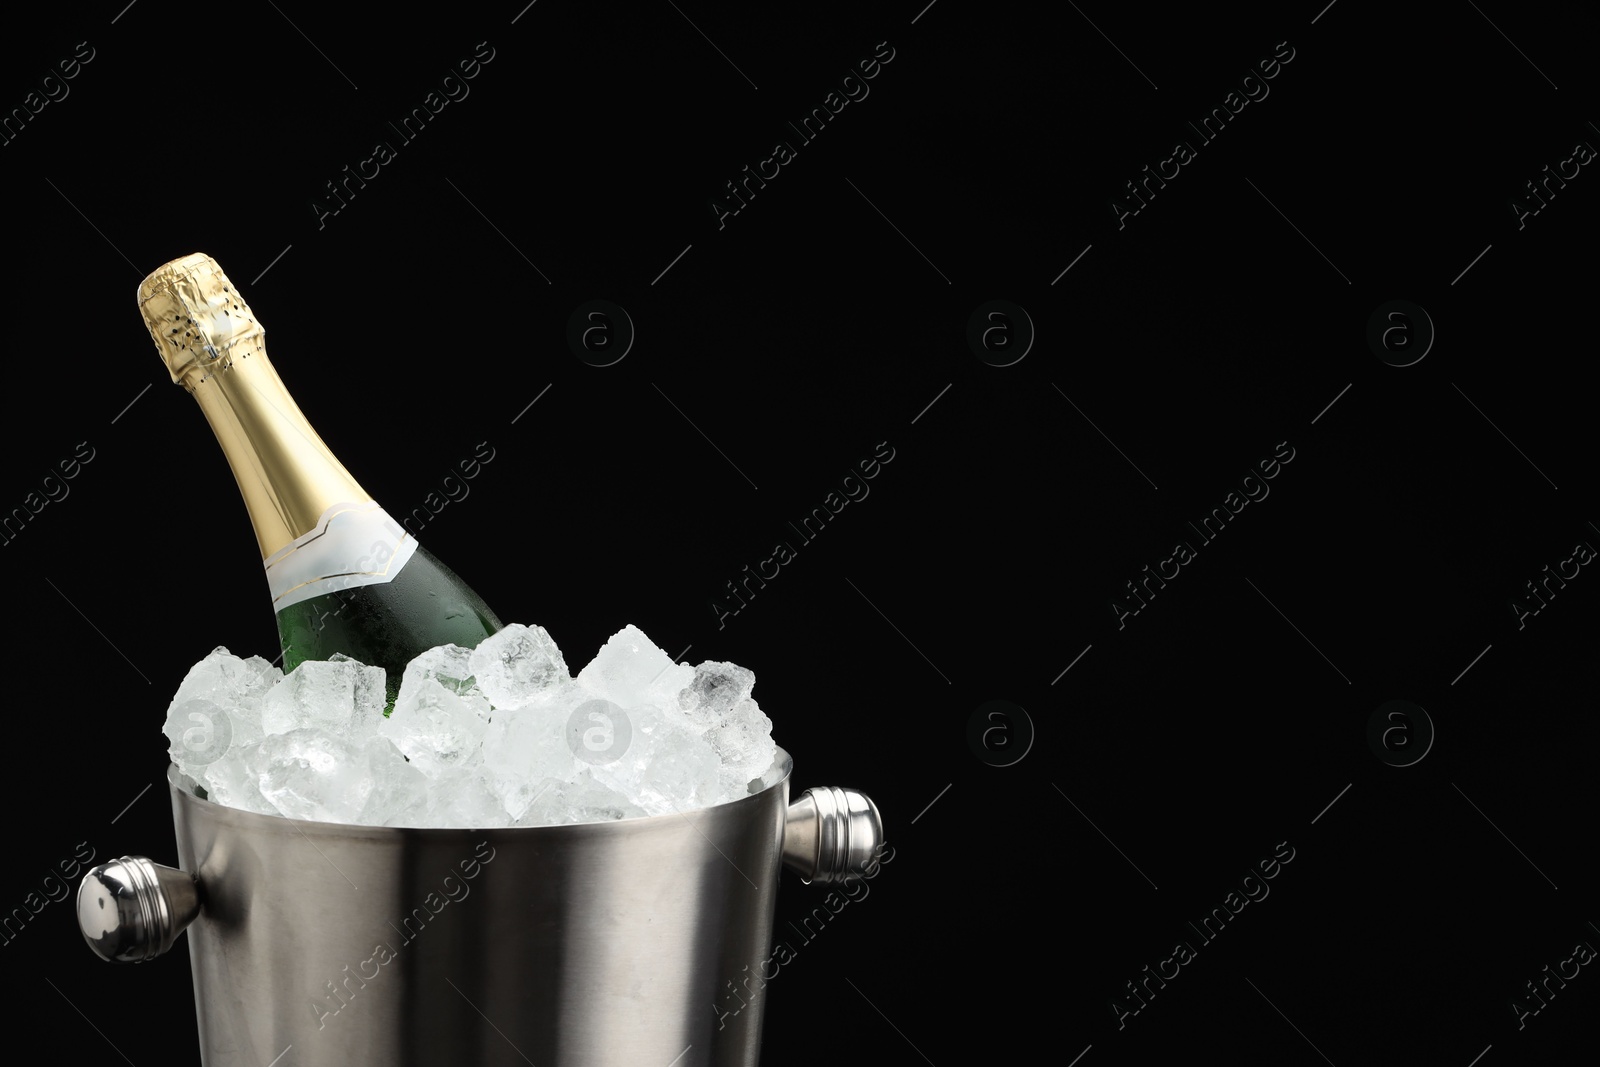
(831, 834)
(131, 910)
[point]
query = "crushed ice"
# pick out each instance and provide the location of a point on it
(500, 735)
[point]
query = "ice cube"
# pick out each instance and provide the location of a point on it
(743, 742)
(343, 697)
(528, 809)
(311, 774)
(626, 667)
(217, 707)
(231, 782)
(667, 766)
(449, 665)
(462, 797)
(459, 798)
(228, 680)
(524, 746)
(581, 800)
(397, 786)
(516, 664)
(713, 692)
(664, 691)
(439, 719)
(198, 733)
(445, 668)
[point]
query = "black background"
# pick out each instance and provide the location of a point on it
(774, 353)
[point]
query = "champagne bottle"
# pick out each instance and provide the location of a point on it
(344, 576)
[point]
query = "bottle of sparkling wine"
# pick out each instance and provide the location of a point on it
(344, 576)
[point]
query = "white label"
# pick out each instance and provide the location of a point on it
(352, 545)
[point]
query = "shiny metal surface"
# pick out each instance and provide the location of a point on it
(197, 318)
(131, 910)
(579, 946)
(831, 834)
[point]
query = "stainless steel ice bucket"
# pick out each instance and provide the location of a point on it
(617, 944)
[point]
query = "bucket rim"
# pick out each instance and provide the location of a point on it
(248, 820)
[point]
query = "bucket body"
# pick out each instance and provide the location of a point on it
(592, 945)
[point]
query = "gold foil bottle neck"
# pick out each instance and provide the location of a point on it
(197, 318)
(212, 346)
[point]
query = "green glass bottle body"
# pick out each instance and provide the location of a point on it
(387, 625)
(344, 576)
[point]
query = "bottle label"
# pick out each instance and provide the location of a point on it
(352, 545)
